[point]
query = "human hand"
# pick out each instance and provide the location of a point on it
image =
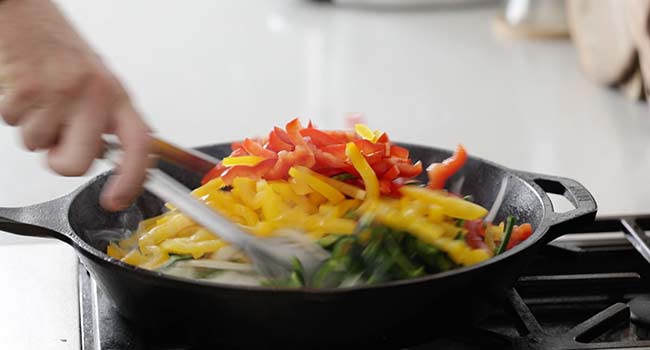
(62, 97)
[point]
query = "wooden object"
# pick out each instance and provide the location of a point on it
(605, 46)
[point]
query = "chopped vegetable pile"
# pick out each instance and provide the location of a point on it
(356, 193)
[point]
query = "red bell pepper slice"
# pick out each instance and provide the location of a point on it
(318, 137)
(254, 172)
(300, 156)
(255, 149)
(519, 234)
(383, 138)
(476, 226)
(239, 152)
(282, 134)
(391, 174)
(213, 173)
(406, 169)
(382, 167)
(337, 151)
(399, 152)
(366, 147)
(340, 136)
(439, 172)
(375, 157)
(475, 233)
(325, 160)
(277, 144)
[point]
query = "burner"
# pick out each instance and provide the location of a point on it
(641, 310)
(588, 290)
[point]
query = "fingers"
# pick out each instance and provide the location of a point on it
(17, 102)
(126, 185)
(80, 141)
(41, 128)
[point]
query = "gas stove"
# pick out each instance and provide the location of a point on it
(586, 290)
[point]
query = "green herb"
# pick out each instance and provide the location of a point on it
(295, 280)
(173, 258)
(434, 258)
(344, 177)
(460, 222)
(351, 214)
(364, 223)
(510, 223)
(297, 277)
(405, 267)
(332, 273)
(413, 182)
(329, 240)
(459, 236)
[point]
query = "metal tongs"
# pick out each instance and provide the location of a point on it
(271, 257)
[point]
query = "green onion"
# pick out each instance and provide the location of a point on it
(510, 223)
(328, 241)
(344, 177)
(174, 258)
(407, 268)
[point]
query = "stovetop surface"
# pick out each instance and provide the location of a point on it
(587, 290)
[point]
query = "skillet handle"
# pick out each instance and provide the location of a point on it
(561, 223)
(48, 219)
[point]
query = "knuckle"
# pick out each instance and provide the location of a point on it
(72, 85)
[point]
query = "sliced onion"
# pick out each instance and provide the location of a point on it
(492, 213)
(457, 187)
(215, 265)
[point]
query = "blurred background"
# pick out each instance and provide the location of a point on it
(547, 86)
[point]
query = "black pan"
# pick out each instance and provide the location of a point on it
(399, 312)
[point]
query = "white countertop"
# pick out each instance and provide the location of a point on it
(207, 71)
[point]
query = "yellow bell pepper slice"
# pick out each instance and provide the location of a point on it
(418, 227)
(242, 160)
(345, 188)
(452, 206)
(155, 256)
(367, 174)
(300, 188)
(435, 213)
(337, 226)
(245, 190)
(168, 229)
(134, 257)
(475, 256)
(316, 199)
(199, 244)
(272, 204)
(322, 187)
(114, 251)
(248, 215)
(348, 205)
(155, 261)
(285, 190)
(367, 133)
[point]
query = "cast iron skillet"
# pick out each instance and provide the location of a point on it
(399, 312)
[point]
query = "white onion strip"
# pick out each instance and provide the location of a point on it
(216, 265)
(492, 213)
